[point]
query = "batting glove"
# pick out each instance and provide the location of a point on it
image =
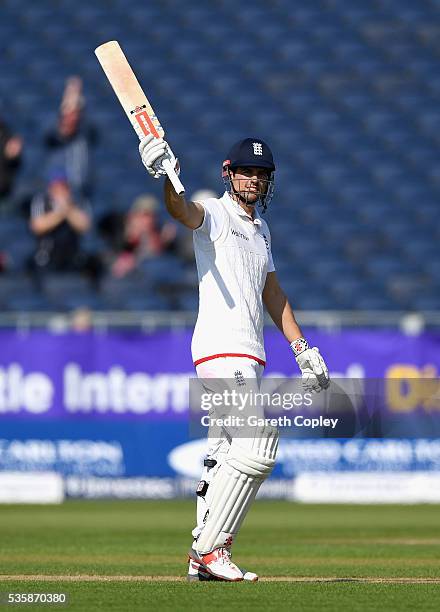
(153, 152)
(313, 369)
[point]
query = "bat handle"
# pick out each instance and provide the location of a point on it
(175, 181)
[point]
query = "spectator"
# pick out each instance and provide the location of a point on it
(10, 160)
(70, 142)
(137, 235)
(81, 320)
(58, 221)
(3, 261)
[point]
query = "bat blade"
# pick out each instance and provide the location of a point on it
(133, 99)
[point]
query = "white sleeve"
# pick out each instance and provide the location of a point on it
(270, 264)
(213, 219)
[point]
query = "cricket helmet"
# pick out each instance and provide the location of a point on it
(250, 152)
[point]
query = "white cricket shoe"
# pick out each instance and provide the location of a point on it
(218, 563)
(197, 573)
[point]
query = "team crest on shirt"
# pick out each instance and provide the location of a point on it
(239, 378)
(266, 242)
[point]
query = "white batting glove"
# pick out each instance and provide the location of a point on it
(153, 152)
(312, 365)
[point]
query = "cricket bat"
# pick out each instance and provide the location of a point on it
(133, 100)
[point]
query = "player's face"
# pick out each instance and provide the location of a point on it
(251, 183)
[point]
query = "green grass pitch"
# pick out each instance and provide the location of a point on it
(131, 555)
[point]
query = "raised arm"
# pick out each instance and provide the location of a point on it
(188, 213)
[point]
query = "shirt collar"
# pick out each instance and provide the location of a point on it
(239, 210)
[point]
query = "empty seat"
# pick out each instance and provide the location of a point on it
(314, 300)
(146, 301)
(426, 301)
(116, 291)
(28, 302)
(15, 286)
(189, 300)
(64, 283)
(371, 301)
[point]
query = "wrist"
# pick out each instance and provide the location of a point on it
(299, 345)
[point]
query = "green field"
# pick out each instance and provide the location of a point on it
(132, 556)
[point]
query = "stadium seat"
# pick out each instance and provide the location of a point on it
(61, 288)
(29, 302)
(15, 286)
(189, 300)
(147, 301)
(116, 292)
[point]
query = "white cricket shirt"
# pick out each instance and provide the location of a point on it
(233, 257)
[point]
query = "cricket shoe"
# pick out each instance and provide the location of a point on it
(218, 563)
(196, 573)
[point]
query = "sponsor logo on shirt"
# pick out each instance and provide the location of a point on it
(238, 234)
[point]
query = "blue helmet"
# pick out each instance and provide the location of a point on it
(250, 152)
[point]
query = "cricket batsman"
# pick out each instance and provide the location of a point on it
(232, 246)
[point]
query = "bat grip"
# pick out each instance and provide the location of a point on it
(175, 181)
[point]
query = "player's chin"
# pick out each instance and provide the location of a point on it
(251, 197)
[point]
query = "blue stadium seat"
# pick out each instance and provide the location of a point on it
(384, 266)
(403, 289)
(373, 301)
(66, 291)
(147, 301)
(330, 268)
(432, 267)
(295, 288)
(314, 299)
(59, 284)
(426, 302)
(15, 286)
(189, 300)
(29, 302)
(88, 300)
(115, 293)
(164, 269)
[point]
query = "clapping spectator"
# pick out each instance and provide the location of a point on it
(69, 144)
(58, 221)
(137, 236)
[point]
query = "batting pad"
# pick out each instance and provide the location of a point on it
(247, 464)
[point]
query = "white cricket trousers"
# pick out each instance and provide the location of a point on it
(233, 373)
